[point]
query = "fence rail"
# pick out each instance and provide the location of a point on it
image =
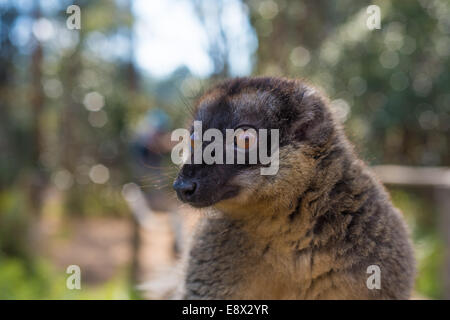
(414, 176)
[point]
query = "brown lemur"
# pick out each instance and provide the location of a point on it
(310, 231)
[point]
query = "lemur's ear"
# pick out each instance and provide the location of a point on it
(314, 123)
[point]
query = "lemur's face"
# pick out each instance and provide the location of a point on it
(258, 103)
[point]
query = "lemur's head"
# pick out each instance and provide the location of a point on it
(305, 128)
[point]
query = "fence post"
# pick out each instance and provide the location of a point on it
(443, 206)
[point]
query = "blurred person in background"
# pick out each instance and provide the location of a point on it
(150, 143)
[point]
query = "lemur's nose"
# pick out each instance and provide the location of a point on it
(185, 188)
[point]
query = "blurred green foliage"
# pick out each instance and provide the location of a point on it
(43, 283)
(391, 86)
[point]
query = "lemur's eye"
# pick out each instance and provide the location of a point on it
(246, 138)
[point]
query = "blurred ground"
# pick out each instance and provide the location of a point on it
(101, 246)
